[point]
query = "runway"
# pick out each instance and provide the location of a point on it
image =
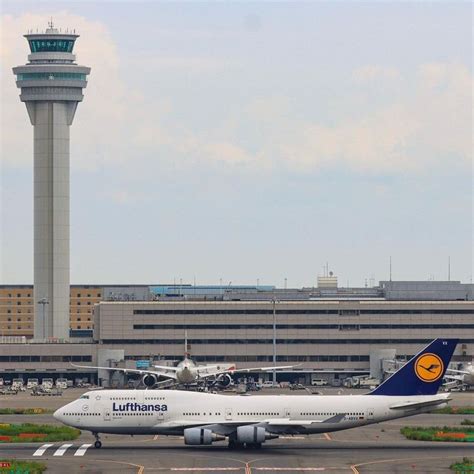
(372, 449)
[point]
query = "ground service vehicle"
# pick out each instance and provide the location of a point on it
(61, 383)
(30, 383)
(47, 383)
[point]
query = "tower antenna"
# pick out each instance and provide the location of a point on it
(449, 268)
(50, 23)
(390, 268)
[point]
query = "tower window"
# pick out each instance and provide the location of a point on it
(60, 45)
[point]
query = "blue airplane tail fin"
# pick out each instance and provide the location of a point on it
(423, 374)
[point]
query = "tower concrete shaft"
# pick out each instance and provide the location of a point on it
(51, 87)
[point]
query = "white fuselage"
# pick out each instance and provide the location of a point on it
(170, 412)
(187, 372)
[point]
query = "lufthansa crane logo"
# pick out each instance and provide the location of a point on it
(429, 367)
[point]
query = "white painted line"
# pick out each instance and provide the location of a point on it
(60, 451)
(292, 437)
(289, 468)
(40, 451)
(82, 450)
(206, 468)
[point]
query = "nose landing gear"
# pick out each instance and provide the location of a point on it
(98, 443)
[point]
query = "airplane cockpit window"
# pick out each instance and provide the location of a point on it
(85, 396)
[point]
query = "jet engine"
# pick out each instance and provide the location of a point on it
(223, 380)
(149, 380)
(196, 436)
(252, 434)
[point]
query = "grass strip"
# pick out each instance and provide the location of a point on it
(25, 411)
(452, 410)
(31, 432)
(436, 433)
(23, 467)
(464, 466)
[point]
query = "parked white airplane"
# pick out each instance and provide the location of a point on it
(188, 372)
(251, 420)
(462, 378)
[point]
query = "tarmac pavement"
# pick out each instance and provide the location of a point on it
(372, 449)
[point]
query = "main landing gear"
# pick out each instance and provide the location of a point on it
(98, 443)
(234, 444)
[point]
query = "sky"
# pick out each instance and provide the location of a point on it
(245, 142)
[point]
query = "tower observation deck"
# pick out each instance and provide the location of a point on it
(51, 86)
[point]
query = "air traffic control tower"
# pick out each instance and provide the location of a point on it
(51, 86)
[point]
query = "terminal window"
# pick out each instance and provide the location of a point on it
(349, 312)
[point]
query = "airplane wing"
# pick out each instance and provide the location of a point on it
(453, 382)
(274, 425)
(464, 372)
(132, 371)
(454, 377)
(211, 371)
(420, 404)
(166, 367)
(256, 369)
(288, 422)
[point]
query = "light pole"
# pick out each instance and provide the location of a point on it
(43, 302)
(274, 341)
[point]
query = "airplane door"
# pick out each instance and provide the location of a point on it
(287, 413)
(106, 414)
(370, 413)
(228, 413)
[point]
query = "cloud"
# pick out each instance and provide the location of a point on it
(375, 73)
(429, 125)
(427, 122)
(377, 142)
(186, 64)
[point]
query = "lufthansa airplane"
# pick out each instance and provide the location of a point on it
(203, 418)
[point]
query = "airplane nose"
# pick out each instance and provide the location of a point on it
(57, 414)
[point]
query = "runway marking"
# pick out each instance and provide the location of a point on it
(400, 460)
(60, 451)
(40, 451)
(327, 436)
(289, 468)
(248, 470)
(155, 438)
(205, 469)
(292, 437)
(82, 450)
(140, 467)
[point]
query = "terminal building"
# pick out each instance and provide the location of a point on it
(330, 331)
